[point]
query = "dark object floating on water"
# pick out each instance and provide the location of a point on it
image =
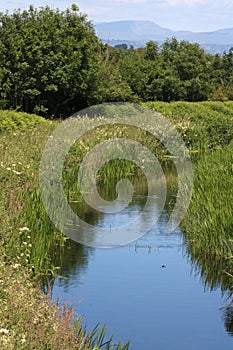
(163, 266)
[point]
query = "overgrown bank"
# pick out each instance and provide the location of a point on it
(207, 129)
(30, 247)
(208, 225)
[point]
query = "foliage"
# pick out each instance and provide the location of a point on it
(202, 125)
(176, 71)
(10, 120)
(48, 62)
(52, 64)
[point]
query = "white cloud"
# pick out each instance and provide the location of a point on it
(126, 1)
(184, 2)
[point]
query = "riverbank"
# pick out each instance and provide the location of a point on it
(208, 224)
(30, 248)
(29, 319)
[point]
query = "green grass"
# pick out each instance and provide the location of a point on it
(207, 129)
(208, 225)
(31, 248)
(20, 202)
(209, 219)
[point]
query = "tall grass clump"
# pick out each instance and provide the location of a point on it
(208, 225)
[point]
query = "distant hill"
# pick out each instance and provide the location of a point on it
(137, 33)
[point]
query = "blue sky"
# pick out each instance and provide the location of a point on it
(195, 15)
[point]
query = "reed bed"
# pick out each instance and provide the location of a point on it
(208, 223)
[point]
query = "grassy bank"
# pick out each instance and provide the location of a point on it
(207, 128)
(31, 247)
(209, 222)
(208, 225)
(203, 126)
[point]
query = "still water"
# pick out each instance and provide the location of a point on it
(147, 292)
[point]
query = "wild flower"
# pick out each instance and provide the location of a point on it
(15, 266)
(8, 168)
(24, 229)
(16, 172)
(4, 330)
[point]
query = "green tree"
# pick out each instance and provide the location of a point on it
(189, 64)
(151, 51)
(49, 61)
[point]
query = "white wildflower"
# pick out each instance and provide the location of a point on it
(16, 172)
(4, 330)
(15, 266)
(8, 168)
(24, 229)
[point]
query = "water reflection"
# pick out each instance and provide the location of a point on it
(211, 270)
(227, 316)
(74, 263)
(103, 228)
(128, 289)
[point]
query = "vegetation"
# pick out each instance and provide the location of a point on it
(39, 323)
(31, 249)
(203, 126)
(52, 64)
(207, 129)
(31, 246)
(48, 61)
(208, 225)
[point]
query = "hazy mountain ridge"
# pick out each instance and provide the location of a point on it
(137, 33)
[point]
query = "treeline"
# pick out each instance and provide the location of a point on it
(53, 64)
